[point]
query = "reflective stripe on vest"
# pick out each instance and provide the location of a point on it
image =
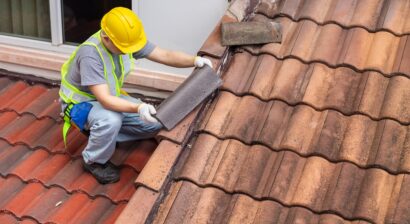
(70, 94)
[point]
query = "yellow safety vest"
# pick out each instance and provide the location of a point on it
(70, 94)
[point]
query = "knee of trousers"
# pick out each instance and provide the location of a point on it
(110, 123)
(156, 127)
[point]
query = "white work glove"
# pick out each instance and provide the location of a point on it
(145, 111)
(200, 62)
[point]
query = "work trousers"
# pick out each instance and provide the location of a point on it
(108, 127)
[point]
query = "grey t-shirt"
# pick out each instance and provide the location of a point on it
(89, 69)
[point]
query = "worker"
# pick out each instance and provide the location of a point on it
(91, 94)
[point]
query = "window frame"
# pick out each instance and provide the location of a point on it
(20, 50)
(56, 25)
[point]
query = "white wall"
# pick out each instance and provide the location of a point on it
(178, 25)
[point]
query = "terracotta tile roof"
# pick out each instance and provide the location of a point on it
(312, 182)
(8, 218)
(40, 180)
(302, 129)
(312, 130)
(212, 205)
(371, 15)
(337, 46)
(319, 86)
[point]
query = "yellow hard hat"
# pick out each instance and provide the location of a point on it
(124, 29)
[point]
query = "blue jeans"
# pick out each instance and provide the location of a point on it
(108, 127)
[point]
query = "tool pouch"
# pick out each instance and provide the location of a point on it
(76, 114)
(79, 114)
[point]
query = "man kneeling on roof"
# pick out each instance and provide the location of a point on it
(91, 93)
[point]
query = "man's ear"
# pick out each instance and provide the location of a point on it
(105, 36)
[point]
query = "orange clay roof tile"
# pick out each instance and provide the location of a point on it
(40, 179)
(312, 130)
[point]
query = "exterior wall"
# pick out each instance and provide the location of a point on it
(47, 64)
(178, 25)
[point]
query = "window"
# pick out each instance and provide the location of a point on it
(29, 18)
(56, 21)
(60, 25)
(82, 18)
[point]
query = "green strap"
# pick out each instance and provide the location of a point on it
(67, 122)
(66, 128)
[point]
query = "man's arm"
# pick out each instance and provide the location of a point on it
(114, 103)
(171, 58)
(109, 102)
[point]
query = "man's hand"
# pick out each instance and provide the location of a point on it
(200, 62)
(145, 111)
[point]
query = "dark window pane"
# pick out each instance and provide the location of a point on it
(28, 18)
(82, 18)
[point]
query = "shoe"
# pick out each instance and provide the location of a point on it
(104, 173)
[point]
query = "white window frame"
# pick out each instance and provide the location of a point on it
(135, 6)
(56, 22)
(57, 39)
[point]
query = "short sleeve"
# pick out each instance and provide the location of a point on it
(91, 67)
(145, 51)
